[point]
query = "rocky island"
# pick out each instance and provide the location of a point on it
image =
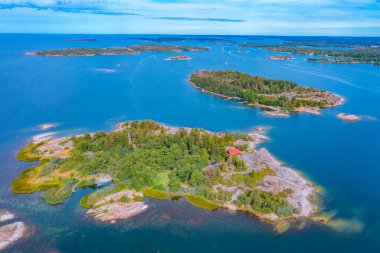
(278, 96)
(12, 232)
(146, 159)
(348, 117)
(125, 50)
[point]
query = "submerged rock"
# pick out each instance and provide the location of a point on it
(47, 126)
(282, 226)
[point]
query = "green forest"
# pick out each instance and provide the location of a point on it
(144, 156)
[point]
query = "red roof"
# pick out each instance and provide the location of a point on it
(233, 151)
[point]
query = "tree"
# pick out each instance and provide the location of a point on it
(197, 178)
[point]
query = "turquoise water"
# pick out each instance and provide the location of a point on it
(341, 157)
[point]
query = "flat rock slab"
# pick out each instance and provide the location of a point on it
(117, 211)
(5, 216)
(11, 233)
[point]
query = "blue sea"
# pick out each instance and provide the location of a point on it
(341, 158)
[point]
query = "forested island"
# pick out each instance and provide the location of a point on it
(146, 159)
(128, 50)
(364, 54)
(274, 94)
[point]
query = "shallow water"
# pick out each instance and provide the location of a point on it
(341, 157)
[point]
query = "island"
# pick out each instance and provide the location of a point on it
(141, 159)
(127, 50)
(82, 40)
(278, 96)
(279, 58)
(363, 54)
(178, 58)
(12, 232)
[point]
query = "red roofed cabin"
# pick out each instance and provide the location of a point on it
(233, 151)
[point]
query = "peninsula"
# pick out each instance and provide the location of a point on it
(279, 96)
(127, 50)
(145, 159)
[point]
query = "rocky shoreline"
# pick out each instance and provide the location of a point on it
(301, 191)
(120, 205)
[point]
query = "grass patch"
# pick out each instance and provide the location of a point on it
(24, 183)
(156, 194)
(62, 143)
(56, 195)
(124, 199)
(83, 202)
(29, 153)
(202, 202)
(138, 198)
(91, 199)
(86, 183)
(44, 161)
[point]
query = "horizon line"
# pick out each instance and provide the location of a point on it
(179, 34)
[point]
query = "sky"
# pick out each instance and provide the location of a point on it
(232, 17)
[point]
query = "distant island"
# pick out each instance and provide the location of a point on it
(116, 50)
(280, 58)
(82, 39)
(145, 159)
(363, 54)
(279, 96)
(178, 58)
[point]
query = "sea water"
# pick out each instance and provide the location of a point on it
(341, 158)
